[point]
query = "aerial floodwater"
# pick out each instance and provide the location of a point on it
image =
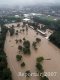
(46, 49)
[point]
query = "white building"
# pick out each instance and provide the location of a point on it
(26, 20)
(17, 16)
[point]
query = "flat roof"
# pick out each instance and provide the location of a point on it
(26, 19)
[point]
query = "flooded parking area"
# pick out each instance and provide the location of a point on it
(45, 49)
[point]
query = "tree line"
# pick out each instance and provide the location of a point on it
(5, 73)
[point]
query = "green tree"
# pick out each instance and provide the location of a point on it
(7, 74)
(39, 67)
(40, 59)
(18, 57)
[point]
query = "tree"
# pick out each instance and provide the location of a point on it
(44, 78)
(16, 41)
(20, 41)
(16, 32)
(20, 48)
(18, 25)
(26, 44)
(22, 64)
(7, 74)
(26, 50)
(24, 39)
(34, 45)
(28, 73)
(39, 67)
(11, 30)
(18, 57)
(55, 38)
(40, 59)
(38, 40)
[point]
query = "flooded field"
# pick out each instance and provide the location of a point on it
(45, 49)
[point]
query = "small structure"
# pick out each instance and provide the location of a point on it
(41, 32)
(26, 20)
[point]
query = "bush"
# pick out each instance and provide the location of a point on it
(18, 57)
(22, 64)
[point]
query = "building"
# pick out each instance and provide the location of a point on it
(26, 20)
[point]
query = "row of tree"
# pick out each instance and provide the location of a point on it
(5, 73)
(55, 38)
(40, 69)
(54, 25)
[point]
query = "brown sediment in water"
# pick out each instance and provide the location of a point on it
(45, 49)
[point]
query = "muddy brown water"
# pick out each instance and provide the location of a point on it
(45, 49)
